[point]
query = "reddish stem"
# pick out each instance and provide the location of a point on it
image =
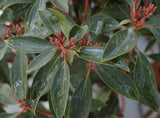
(85, 11)
(12, 53)
(24, 106)
(43, 112)
(58, 8)
(140, 27)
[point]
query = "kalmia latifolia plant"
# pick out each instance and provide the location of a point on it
(67, 47)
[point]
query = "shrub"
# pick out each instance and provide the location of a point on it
(67, 48)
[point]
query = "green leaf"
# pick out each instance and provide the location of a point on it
(3, 50)
(4, 70)
(43, 80)
(155, 57)
(150, 45)
(60, 90)
(49, 20)
(112, 109)
(96, 27)
(96, 104)
(9, 3)
(81, 100)
(145, 82)
(119, 82)
(109, 23)
(41, 60)
(154, 23)
(123, 22)
(64, 24)
(61, 4)
(28, 44)
(50, 104)
(33, 23)
(19, 76)
(119, 44)
(78, 32)
(6, 94)
(94, 54)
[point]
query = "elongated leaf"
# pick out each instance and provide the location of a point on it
(43, 80)
(78, 32)
(109, 23)
(119, 82)
(3, 50)
(50, 104)
(145, 83)
(6, 94)
(154, 23)
(41, 60)
(60, 90)
(119, 44)
(81, 100)
(28, 44)
(34, 25)
(61, 4)
(8, 3)
(155, 57)
(19, 76)
(94, 54)
(49, 20)
(64, 24)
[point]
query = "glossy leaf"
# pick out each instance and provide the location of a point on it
(19, 76)
(64, 24)
(61, 4)
(28, 44)
(119, 82)
(33, 24)
(119, 44)
(60, 90)
(49, 20)
(155, 57)
(6, 94)
(78, 32)
(109, 23)
(145, 82)
(41, 60)
(94, 54)
(43, 80)
(81, 100)
(96, 27)
(154, 23)
(3, 50)
(8, 3)
(111, 110)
